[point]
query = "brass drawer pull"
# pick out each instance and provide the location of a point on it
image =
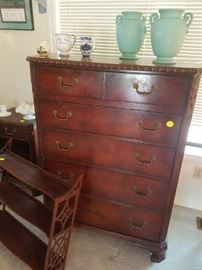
(137, 224)
(64, 148)
(140, 193)
(143, 93)
(145, 162)
(61, 81)
(10, 132)
(66, 178)
(57, 117)
(155, 128)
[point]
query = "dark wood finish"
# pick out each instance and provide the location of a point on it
(21, 241)
(124, 125)
(158, 256)
(109, 152)
(131, 189)
(56, 222)
(34, 176)
(69, 82)
(22, 132)
(144, 88)
(23, 205)
(124, 219)
(141, 126)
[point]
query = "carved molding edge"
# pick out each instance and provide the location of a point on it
(112, 66)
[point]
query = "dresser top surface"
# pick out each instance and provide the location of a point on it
(112, 63)
(16, 119)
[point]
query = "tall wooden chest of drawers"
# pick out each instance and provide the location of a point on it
(124, 125)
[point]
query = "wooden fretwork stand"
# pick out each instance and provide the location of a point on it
(56, 222)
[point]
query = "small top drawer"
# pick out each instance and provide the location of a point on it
(67, 82)
(146, 88)
(17, 132)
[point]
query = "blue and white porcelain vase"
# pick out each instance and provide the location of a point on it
(130, 33)
(87, 45)
(168, 30)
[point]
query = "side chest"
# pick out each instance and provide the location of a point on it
(22, 133)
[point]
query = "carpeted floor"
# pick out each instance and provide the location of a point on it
(90, 250)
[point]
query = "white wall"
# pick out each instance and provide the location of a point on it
(15, 86)
(15, 46)
(189, 191)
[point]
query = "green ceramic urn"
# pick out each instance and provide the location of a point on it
(130, 32)
(168, 30)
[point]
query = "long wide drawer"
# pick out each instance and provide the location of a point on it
(64, 82)
(147, 88)
(130, 221)
(109, 152)
(131, 189)
(143, 126)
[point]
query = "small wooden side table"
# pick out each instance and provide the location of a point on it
(22, 132)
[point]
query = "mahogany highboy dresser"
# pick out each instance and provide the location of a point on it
(124, 125)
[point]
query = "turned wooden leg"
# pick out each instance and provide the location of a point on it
(158, 256)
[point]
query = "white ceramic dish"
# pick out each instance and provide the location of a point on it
(29, 117)
(5, 114)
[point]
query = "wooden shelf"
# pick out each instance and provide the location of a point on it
(21, 241)
(56, 221)
(26, 206)
(34, 177)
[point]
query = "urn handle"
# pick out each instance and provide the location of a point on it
(154, 17)
(118, 18)
(143, 18)
(188, 17)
